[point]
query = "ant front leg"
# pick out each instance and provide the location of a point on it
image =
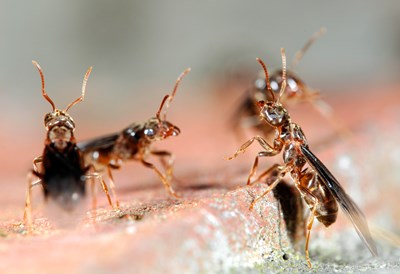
(28, 200)
(268, 148)
(97, 176)
(37, 160)
(162, 177)
(274, 167)
(167, 163)
(281, 173)
(112, 185)
(255, 165)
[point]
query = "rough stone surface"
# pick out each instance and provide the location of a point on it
(211, 229)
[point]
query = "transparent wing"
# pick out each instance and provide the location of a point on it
(98, 142)
(346, 203)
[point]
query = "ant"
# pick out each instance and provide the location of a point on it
(63, 173)
(134, 143)
(318, 187)
(246, 115)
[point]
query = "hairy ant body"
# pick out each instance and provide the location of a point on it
(62, 172)
(319, 188)
(134, 143)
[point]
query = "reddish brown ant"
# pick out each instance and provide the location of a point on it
(319, 188)
(62, 172)
(246, 115)
(134, 143)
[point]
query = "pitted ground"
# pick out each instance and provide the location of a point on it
(210, 229)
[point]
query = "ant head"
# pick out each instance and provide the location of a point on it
(59, 124)
(295, 89)
(160, 128)
(272, 111)
(294, 86)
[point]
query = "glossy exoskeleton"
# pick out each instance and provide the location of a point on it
(134, 143)
(61, 173)
(319, 188)
(246, 114)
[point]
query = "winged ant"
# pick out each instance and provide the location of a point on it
(246, 114)
(60, 170)
(319, 188)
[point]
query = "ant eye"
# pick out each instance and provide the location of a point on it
(47, 118)
(129, 132)
(274, 85)
(149, 132)
(260, 84)
(292, 84)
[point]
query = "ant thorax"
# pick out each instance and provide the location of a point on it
(60, 127)
(287, 133)
(293, 137)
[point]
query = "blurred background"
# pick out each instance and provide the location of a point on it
(138, 48)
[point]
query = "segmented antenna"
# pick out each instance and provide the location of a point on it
(266, 77)
(283, 85)
(168, 98)
(85, 79)
(299, 55)
(43, 89)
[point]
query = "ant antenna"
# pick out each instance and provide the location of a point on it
(83, 90)
(168, 98)
(43, 89)
(299, 55)
(266, 77)
(283, 85)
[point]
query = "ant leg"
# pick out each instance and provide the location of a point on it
(28, 206)
(167, 164)
(103, 184)
(309, 226)
(265, 173)
(270, 187)
(303, 187)
(37, 160)
(162, 177)
(326, 111)
(255, 165)
(105, 190)
(310, 41)
(269, 149)
(313, 97)
(94, 193)
(112, 187)
(253, 170)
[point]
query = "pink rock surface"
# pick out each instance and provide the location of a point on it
(210, 229)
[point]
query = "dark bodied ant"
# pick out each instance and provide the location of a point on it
(318, 187)
(62, 172)
(246, 115)
(134, 143)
